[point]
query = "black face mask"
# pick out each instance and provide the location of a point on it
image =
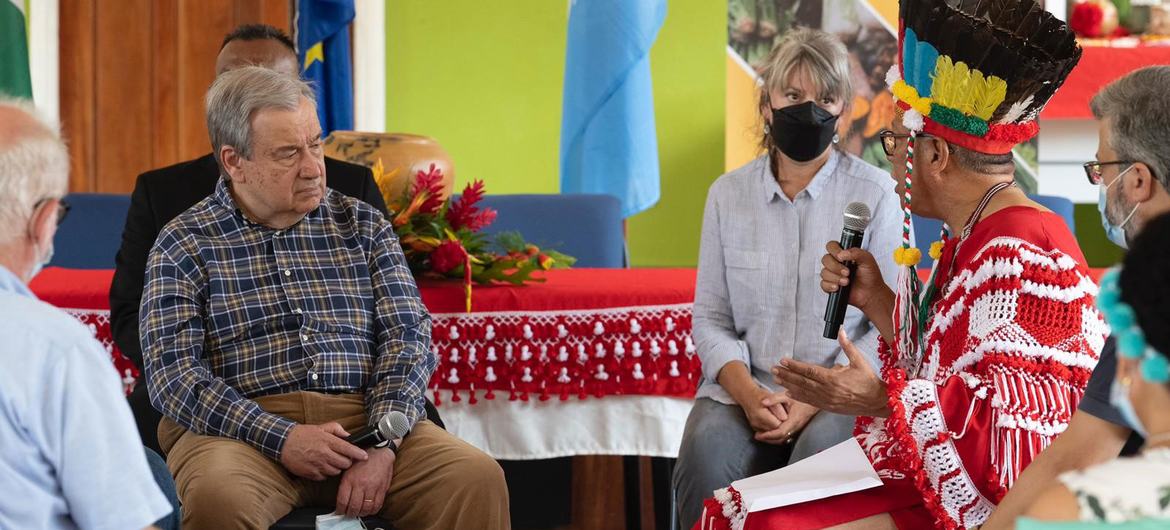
(802, 132)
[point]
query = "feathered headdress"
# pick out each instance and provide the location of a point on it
(975, 73)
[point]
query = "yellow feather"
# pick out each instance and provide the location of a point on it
(992, 93)
(958, 87)
(950, 79)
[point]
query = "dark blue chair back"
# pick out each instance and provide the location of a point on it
(926, 231)
(586, 226)
(91, 234)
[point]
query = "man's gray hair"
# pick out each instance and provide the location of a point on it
(34, 165)
(236, 96)
(1136, 108)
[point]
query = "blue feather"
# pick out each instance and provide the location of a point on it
(918, 59)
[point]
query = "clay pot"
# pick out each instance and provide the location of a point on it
(405, 153)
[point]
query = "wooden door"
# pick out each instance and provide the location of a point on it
(133, 76)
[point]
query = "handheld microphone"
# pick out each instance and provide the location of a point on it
(392, 426)
(856, 220)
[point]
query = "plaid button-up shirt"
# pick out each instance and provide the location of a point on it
(233, 310)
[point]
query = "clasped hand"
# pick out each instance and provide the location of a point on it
(775, 417)
(316, 452)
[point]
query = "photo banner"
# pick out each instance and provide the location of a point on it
(869, 30)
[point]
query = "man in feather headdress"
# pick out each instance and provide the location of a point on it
(983, 365)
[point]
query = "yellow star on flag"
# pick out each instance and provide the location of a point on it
(315, 53)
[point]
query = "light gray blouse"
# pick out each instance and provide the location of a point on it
(758, 296)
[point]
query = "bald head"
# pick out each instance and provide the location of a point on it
(257, 45)
(34, 165)
(269, 54)
(20, 120)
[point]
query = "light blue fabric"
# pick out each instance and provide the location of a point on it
(71, 454)
(1149, 524)
(327, 22)
(609, 141)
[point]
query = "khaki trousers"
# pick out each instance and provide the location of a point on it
(440, 482)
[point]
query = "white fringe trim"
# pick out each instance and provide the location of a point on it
(736, 515)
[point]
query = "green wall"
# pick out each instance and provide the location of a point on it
(485, 79)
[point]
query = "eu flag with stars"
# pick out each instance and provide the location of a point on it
(323, 49)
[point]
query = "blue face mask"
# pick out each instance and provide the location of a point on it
(1119, 398)
(1115, 232)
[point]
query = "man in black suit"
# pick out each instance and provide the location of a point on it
(162, 194)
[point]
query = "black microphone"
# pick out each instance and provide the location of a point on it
(856, 219)
(392, 426)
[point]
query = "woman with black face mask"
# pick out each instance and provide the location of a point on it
(758, 298)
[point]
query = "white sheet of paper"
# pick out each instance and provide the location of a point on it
(843, 468)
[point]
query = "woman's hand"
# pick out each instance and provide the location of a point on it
(762, 417)
(799, 414)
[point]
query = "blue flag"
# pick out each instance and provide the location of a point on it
(323, 49)
(609, 141)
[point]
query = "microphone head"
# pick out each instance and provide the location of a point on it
(857, 216)
(393, 425)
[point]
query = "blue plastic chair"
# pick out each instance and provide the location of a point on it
(926, 231)
(91, 234)
(585, 226)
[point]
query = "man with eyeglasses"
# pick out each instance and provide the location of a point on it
(1131, 171)
(66, 434)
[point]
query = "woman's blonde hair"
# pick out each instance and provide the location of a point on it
(820, 53)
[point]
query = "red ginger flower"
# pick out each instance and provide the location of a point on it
(464, 213)
(429, 182)
(448, 255)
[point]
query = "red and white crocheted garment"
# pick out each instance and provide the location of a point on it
(1014, 338)
(1008, 351)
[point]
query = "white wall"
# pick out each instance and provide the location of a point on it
(1064, 145)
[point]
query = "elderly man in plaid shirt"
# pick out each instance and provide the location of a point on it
(280, 316)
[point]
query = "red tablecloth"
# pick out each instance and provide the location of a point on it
(583, 332)
(1098, 67)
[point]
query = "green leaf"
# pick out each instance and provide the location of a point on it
(511, 241)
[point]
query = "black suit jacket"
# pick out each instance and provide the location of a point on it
(159, 196)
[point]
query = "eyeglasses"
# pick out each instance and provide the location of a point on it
(1093, 170)
(62, 208)
(890, 140)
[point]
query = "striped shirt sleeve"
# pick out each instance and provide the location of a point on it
(404, 362)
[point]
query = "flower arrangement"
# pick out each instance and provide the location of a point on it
(443, 237)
